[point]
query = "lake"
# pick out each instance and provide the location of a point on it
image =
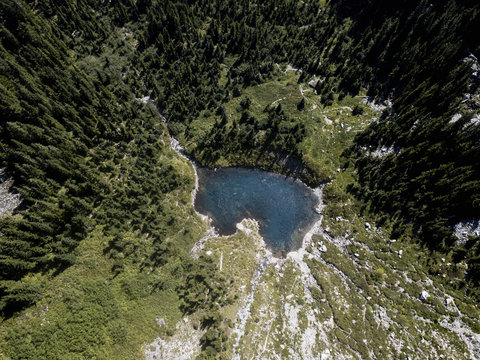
(284, 207)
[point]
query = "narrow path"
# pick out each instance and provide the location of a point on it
(243, 313)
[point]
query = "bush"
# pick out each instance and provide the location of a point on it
(358, 110)
(245, 103)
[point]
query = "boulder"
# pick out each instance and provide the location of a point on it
(424, 295)
(449, 301)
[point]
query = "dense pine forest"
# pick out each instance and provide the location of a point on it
(90, 93)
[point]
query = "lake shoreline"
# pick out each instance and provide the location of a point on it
(214, 231)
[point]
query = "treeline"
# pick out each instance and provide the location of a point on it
(181, 45)
(52, 115)
(422, 55)
(274, 131)
(71, 128)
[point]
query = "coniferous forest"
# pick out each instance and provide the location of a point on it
(90, 93)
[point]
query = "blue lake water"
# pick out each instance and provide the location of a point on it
(284, 207)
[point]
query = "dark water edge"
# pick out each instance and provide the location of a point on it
(283, 206)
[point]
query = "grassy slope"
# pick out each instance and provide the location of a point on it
(89, 312)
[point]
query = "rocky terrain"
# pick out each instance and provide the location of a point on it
(359, 295)
(9, 200)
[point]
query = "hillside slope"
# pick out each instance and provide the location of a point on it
(379, 100)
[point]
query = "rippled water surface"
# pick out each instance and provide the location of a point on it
(283, 206)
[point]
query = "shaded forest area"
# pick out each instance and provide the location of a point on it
(423, 55)
(68, 120)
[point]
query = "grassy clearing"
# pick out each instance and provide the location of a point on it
(329, 130)
(233, 254)
(88, 314)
